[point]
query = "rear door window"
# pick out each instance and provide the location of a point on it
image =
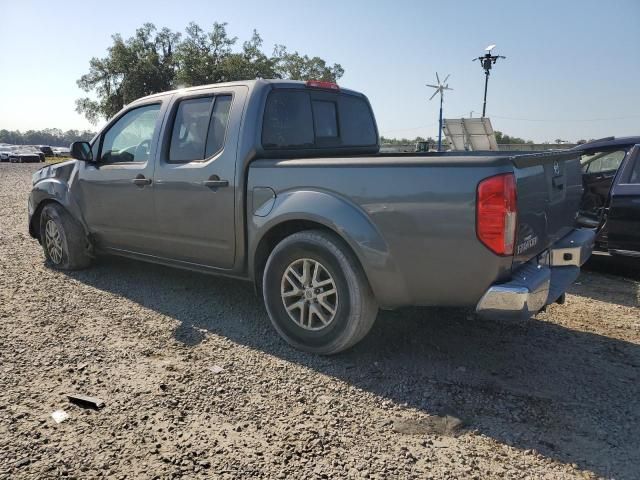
(635, 173)
(218, 125)
(199, 128)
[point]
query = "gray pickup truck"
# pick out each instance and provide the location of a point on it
(281, 183)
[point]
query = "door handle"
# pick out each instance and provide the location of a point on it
(215, 183)
(141, 181)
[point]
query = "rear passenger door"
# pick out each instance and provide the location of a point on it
(195, 179)
(623, 219)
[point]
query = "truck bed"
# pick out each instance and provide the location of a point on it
(424, 207)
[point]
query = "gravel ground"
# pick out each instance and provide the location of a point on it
(555, 397)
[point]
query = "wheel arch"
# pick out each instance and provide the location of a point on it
(307, 210)
(34, 223)
(52, 191)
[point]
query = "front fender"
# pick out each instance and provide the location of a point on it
(350, 223)
(52, 184)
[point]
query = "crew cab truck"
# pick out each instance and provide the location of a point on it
(281, 183)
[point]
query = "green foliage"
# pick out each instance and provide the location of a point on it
(154, 60)
(49, 136)
(502, 138)
(297, 67)
(139, 66)
(406, 141)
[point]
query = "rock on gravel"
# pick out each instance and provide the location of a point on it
(555, 397)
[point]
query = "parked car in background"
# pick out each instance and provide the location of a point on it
(24, 154)
(61, 151)
(611, 199)
(281, 183)
(47, 150)
(5, 153)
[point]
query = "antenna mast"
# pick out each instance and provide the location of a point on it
(440, 88)
(486, 62)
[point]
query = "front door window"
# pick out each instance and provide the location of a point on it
(129, 139)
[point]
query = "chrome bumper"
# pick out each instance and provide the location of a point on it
(539, 282)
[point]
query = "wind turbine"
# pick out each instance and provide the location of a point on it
(486, 62)
(440, 88)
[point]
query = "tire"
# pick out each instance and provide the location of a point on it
(333, 267)
(63, 240)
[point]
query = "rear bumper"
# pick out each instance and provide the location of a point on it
(541, 281)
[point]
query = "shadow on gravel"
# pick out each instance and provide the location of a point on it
(571, 395)
(610, 279)
(628, 267)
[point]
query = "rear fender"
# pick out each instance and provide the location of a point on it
(349, 222)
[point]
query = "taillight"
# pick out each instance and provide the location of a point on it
(496, 213)
(321, 84)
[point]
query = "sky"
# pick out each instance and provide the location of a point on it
(572, 69)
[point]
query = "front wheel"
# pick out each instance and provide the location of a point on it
(316, 293)
(63, 240)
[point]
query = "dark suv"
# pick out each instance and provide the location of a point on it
(611, 200)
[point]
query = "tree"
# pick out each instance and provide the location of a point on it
(297, 67)
(502, 138)
(139, 66)
(406, 141)
(153, 61)
(251, 62)
(200, 56)
(49, 136)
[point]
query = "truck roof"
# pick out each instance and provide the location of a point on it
(608, 142)
(260, 82)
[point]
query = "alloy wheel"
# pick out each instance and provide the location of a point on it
(53, 240)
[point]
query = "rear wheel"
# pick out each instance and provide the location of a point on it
(316, 293)
(63, 240)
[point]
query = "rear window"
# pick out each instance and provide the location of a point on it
(306, 119)
(287, 120)
(325, 119)
(356, 117)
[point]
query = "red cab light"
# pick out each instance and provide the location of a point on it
(496, 213)
(321, 84)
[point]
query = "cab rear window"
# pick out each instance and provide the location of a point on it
(301, 119)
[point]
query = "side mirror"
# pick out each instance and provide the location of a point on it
(81, 151)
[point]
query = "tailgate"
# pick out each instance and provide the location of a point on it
(549, 187)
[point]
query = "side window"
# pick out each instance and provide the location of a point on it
(603, 161)
(129, 139)
(635, 173)
(199, 128)
(218, 125)
(189, 133)
(287, 120)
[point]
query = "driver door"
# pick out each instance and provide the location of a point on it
(623, 222)
(116, 189)
(599, 170)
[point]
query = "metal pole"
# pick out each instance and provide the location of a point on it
(486, 82)
(440, 130)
